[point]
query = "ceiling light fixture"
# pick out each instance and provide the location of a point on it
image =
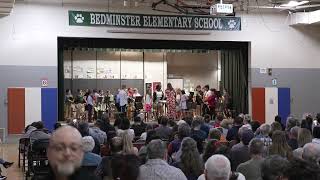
(294, 3)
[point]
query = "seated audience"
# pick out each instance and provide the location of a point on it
(240, 152)
(138, 126)
(274, 167)
(225, 124)
(252, 168)
(275, 126)
(218, 121)
(217, 135)
(6, 165)
(156, 167)
(278, 120)
(293, 138)
(103, 170)
(316, 134)
(83, 128)
(183, 131)
(304, 137)
(233, 132)
(279, 145)
(311, 153)
(190, 162)
(302, 170)
(264, 136)
(143, 136)
(125, 127)
(105, 125)
(127, 144)
(96, 132)
(255, 125)
(210, 149)
(65, 155)
(163, 131)
(151, 135)
(89, 158)
(205, 126)
(198, 135)
(125, 167)
(218, 167)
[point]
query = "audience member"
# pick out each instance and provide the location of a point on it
(264, 136)
(252, 168)
(138, 126)
(218, 167)
(127, 144)
(143, 136)
(190, 162)
(293, 138)
(198, 135)
(278, 120)
(274, 167)
(255, 125)
(316, 135)
(125, 167)
(164, 132)
(233, 132)
(311, 153)
(125, 128)
(225, 125)
(302, 170)
(205, 127)
(156, 167)
(304, 137)
(89, 158)
(240, 152)
(183, 131)
(275, 126)
(216, 134)
(210, 149)
(96, 132)
(83, 128)
(279, 145)
(105, 125)
(65, 155)
(291, 122)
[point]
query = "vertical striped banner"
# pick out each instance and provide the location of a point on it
(32, 105)
(284, 103)
(16, 110)
(49, 106)
(258, 104)
(271, 104)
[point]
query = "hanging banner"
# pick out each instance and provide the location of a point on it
(125, 20)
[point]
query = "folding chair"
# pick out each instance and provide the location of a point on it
(37, 158)
(23, 151)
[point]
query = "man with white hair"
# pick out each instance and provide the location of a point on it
(218, 167)
(65, 155)
(89, 158)
(311, 153)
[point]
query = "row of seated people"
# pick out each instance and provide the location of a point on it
(223, 149)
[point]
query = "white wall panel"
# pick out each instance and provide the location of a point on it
(32, 105)
(271, 101)
(109, 63)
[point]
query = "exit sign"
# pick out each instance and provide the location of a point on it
(221, 9)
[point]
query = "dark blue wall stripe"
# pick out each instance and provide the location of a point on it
(284, 103)
(49, 107)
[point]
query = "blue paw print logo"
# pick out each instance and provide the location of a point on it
(79, 18)
(232, 24)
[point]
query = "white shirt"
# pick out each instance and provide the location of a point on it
(130, 132)
(123, 96)
(240, 177)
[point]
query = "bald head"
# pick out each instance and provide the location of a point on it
(66, 132)
(65, 151)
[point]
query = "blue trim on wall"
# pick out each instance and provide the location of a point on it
(284, 104)
(49, 107)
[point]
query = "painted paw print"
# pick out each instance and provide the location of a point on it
(232, 24)
(79, 18)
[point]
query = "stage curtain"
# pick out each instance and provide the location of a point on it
(234, 77)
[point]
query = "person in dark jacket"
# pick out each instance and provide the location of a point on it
(233, 132)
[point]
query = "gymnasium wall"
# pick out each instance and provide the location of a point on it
(28, 49)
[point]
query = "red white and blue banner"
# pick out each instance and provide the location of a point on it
(269, 102)
(27, 105)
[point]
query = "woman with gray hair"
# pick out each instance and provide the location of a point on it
(190, 162)
(89, 158)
